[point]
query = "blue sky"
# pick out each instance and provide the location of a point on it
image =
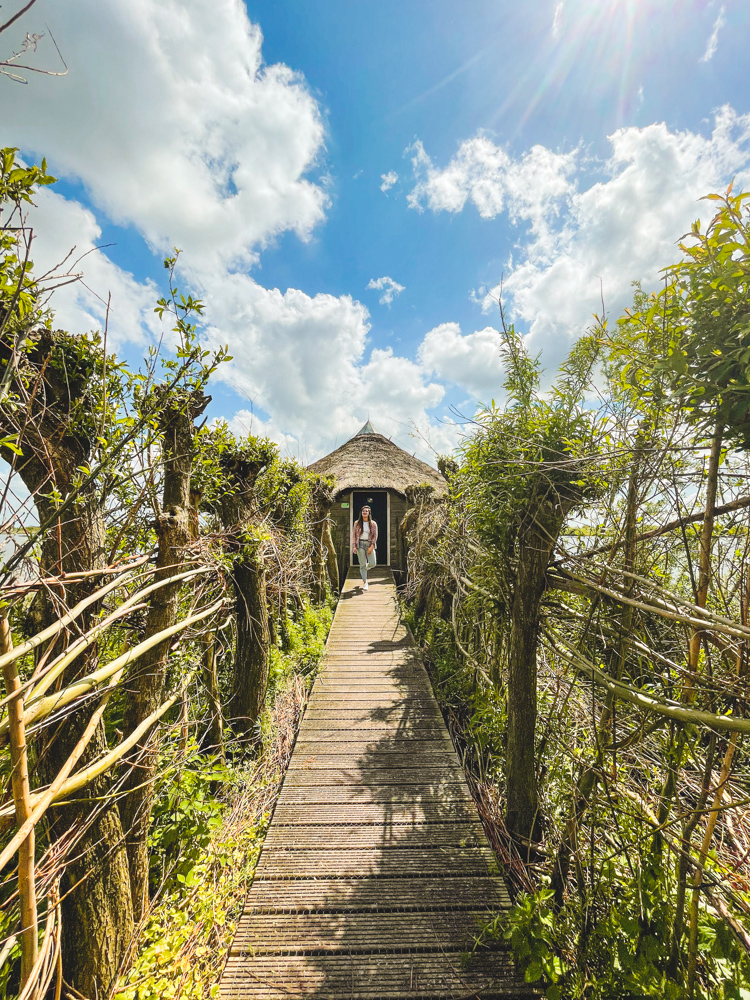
(300, 152)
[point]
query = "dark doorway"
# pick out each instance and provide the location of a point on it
(377, 501)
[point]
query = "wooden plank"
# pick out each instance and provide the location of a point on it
(424, 706)
(394, 862)
(374, 977)
(347, 741)
(386, 659)
(271, 933)
(370, 746)
(383, 813)
(375, 873)
(373, 776)
(381, 689)
(375, 836)
(375, 702)
(367, 682)
(370, 729)
(373, 759)
(372, 718)
(443, 792)
(400, 894)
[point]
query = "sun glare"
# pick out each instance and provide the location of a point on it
(593, 37)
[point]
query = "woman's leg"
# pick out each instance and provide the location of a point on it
(362, 556)
(372, 560)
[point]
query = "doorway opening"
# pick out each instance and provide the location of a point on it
(377, 501)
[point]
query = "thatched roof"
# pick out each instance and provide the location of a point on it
(369, 461)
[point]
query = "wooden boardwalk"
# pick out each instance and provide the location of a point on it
(375, 873)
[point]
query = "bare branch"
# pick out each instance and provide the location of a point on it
(19, 14)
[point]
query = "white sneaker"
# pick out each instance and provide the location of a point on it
(365, 586)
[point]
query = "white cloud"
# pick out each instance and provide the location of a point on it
(532, 187)
(67, 234)
(624, 228)
(588, 241)
(471, 362)
(394, 387)
(713, 39)
(246, 422)
(557, 20)
(388, 180)
(174, 124)
(303, 359)
(388, 287)
(296, 356)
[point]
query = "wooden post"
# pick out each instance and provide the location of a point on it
(22, 801)
(213, 738)
(331, 563)
(252, 661)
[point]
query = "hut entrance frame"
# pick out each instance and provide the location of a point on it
(369, 466)
(380, 504)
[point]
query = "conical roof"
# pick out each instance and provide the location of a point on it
(369, 461)
(367, 429)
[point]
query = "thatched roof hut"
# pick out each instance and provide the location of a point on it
(370, 461)
(369, 468)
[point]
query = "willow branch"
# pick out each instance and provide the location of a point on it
(43, 799)
(108, 760)
(643, 700)
(16, 16)
(22, 804)
(703, 620)
(58, 666)
(70, 616)
(678, 522)
(45, 706)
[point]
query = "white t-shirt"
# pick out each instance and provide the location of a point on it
(365, 529)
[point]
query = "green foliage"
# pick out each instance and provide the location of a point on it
(616, 948)
(206, 849)
(11, 967)
(696, 330)
(284, 492)
(448, 466)
(537, 447)
(304, 639)
(19, 292)
(18, 183)
(480, 708)
(185, 815)
(187, 936)
(532, 929)
(322, 489)
(611, 939)
(225, 469)
(244, 478)
(190, 361)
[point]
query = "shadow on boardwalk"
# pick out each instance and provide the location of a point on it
(375, 874)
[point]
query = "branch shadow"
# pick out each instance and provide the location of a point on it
(376, 874)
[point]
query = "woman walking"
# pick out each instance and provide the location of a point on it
(364, 542)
